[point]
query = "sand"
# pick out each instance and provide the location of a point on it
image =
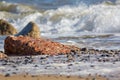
(49, 77)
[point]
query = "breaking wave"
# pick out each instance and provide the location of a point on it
(67, 19)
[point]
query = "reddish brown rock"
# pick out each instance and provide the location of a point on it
(24, 45)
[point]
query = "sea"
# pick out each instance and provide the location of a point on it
(84, 23)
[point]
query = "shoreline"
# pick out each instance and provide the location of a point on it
(106, 65)
(50, 77)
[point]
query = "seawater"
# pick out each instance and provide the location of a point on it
(85, 23)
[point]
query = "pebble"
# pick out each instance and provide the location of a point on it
(92, 66)
(70, 64)
(68, 76)
(43, 58)
(86, 56)
(83, 49)
(14, 73)
(14, 66)
(36, 66)
(7, 75)
(33, 75)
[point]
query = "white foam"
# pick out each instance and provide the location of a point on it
(100, 18)
(21, 23)
(97, 18)
(74, 20)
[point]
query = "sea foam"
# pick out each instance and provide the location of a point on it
(70, 19)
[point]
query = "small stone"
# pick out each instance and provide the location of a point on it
(93, 78)
(24, 76)
(92, 66)
(83, 49)
(14, 66)
(79, 69)
(33, 75)
(36, 66)
(68, 76)
(43, 57)
(2, 55)
(105, 55)
(7, 75)
(14, 73)
(16, 69)
(70, 57)
(70, 64)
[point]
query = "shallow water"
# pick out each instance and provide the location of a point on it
(91, 23)
(83, 64)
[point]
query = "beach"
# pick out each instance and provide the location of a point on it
(49, 77)
(80, 65)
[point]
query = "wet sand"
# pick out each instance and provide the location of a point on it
(49, 77)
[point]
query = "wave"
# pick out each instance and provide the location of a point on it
(53, 4)
(68, 19)
(102, 18)
(15, 8)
